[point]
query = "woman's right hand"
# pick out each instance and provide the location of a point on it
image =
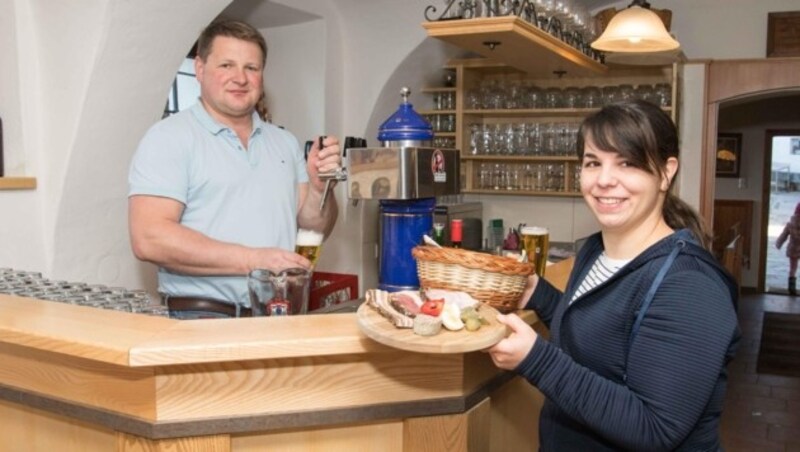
(509, 352)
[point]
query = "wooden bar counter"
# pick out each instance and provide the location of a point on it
(77, 378)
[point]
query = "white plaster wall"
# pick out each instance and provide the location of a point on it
(81, 81)
(691, 125)
(296, 86)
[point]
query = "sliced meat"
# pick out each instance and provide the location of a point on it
(379, 299)
(407, 302)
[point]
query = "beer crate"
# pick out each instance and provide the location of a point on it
(328, 289)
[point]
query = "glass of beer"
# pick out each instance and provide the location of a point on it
(308, 244)
(536, 241)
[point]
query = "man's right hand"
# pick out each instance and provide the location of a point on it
(276, 260)
(158, 237)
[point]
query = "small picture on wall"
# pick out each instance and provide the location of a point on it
(729, 154)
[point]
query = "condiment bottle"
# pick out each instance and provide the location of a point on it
(438, 233)
(456, 232)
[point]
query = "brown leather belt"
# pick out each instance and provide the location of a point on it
(205, 304)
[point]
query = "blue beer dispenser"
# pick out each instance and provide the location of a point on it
(406, 175)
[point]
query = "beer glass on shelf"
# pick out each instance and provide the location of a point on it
(309, 244)
(536, 241)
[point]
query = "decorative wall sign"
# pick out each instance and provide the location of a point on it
(783, 34)
(729, 154)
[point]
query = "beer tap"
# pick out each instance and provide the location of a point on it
(339, 174)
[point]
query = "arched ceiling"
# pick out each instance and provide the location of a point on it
(265, 14)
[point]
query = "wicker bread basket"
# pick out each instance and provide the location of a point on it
(494, 280)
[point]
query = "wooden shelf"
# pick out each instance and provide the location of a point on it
(561, 194)
(523, 158)
(444, 134)
(540, 112)
(17, 183)
(520, 44)
(439, 90)
(436, 112)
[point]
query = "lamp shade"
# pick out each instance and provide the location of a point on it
(635, 30)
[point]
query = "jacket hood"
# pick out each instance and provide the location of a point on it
(681, 238)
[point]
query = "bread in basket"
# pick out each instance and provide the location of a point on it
(494, 280)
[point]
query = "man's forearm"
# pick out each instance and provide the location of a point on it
(184, 250)
(310, 217)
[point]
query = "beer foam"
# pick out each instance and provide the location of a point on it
(306, 237)
(533, 230)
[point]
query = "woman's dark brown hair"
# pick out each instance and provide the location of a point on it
(646, 137)
(232, 29)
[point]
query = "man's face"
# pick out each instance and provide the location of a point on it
(231, 78)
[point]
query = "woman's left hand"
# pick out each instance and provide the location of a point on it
(508, 353)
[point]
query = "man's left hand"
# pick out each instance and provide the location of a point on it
(325, 160)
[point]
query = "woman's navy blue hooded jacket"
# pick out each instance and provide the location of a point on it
(664, 390)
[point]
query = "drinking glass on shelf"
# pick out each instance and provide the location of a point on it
(645, 92)
(571, 97)
(539, 177)
(527, 177)
(592, 97)
(475, 139)
(552, 98)
(473, 99)
(485, 176)
(514, 95)
(610, 94)
(534, 139)
(449, 101)
(626, 92)
(487, 136)
(516, 175)
(535, 96)
(663, 94)
(549, 139)
(499, 176)
(520, 139)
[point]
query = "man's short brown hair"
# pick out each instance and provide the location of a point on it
(233, 29)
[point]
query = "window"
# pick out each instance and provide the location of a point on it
(184, 90)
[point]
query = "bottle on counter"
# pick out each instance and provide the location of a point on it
(456, 232)
(438, 233)
(494, 235)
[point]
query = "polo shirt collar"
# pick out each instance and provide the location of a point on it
(205, 119)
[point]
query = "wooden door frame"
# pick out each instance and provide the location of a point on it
(765, 197)
(739, 79)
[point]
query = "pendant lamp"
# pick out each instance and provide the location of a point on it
(636, 29)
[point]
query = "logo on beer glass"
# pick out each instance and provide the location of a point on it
(309, 244)
(536, 241)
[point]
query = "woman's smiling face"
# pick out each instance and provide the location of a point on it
(622, 197)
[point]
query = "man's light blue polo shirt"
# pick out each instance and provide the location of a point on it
(236, 195)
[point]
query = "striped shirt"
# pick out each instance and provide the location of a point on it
(602, 269)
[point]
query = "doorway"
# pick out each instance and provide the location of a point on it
(782, 158)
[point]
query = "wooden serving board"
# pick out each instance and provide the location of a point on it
(380, 329)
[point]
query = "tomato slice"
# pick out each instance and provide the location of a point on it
(432, 307)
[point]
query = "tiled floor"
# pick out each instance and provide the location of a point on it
(762, 412)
